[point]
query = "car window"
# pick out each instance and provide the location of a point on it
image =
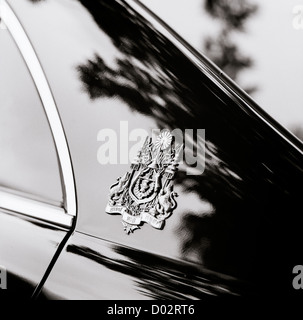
(28, 159)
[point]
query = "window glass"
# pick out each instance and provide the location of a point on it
(28, 160)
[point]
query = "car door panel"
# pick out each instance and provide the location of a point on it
(92, 268)
(27, 248)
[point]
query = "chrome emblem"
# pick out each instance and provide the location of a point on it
(146, 193)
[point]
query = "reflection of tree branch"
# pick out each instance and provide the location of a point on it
(161, 278)
(173, 92)
(226, 54)
(250, 184)
(221, 49)
(219, 185)
(233, 13)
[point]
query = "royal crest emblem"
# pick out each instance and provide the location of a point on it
(146, 193)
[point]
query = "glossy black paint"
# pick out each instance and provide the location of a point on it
(26, 251)
(103, 270)
(240, 234)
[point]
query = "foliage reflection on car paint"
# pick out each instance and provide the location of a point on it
(241, 171)
(252, 177)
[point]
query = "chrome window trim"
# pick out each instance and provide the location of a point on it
(35, 209)
(29, 55)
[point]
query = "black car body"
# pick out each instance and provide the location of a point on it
(69, 69)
